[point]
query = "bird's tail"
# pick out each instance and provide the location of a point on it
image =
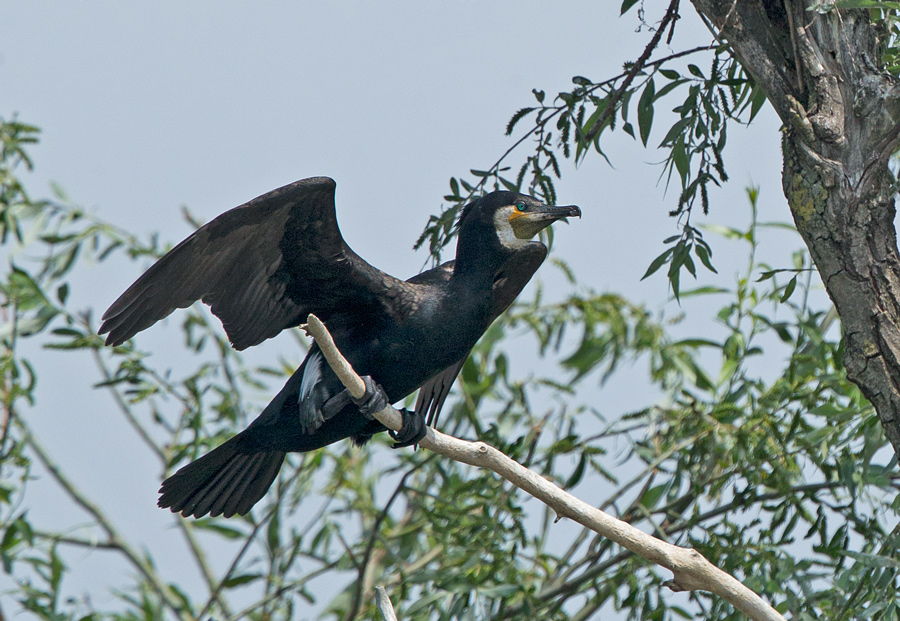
(225, 481)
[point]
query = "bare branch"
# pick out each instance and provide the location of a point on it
(691, 570)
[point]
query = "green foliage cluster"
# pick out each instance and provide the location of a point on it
(693, 144)
(779, 475)
(708, 101)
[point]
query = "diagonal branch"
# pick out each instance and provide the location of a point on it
(691, 570)
(611, 107)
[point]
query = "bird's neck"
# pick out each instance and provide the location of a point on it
(477, 259)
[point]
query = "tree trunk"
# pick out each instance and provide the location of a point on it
(820, 71)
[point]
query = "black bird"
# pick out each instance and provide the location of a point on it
(264, 266)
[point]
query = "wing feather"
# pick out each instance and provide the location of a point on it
(262, 267)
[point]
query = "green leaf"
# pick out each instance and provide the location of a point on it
(217, 526)
(651, 496)
(670, 73)
(695, 70)
(681, 159)
(789, 289)
(697, 342)
(658, 262)
(873, 560)
(645, 110)
(665, 90)
(757, 99)
(578, 473)
(706, 290)
(675, 131)
(703, 254)
(239, 580)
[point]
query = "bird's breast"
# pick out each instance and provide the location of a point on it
(405, 351)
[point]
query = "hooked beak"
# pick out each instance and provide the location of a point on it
(527, 224)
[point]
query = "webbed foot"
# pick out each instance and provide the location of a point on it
(412, 430)
(374, 399)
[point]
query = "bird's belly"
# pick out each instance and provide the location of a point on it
(404, 355)
(402, 366)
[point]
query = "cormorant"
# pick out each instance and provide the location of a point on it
(264, 266)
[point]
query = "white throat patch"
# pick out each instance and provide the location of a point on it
(504, 229)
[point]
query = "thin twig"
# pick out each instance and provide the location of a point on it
(370, 546)
(184, 525)
(215, 588)
(124, 407)
(569, 586)
(637, 67)
(554, 111)
(214, 596)
(113, 536)
(294, 586)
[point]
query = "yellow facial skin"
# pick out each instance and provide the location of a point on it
(526, 224)
(518, 223)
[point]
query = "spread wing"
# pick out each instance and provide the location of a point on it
(262, 267)
(508, 284)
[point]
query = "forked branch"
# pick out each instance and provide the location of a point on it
(691, 570)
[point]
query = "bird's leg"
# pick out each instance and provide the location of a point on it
(374, 400)
(336, 403)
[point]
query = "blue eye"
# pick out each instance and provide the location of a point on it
(520, 206)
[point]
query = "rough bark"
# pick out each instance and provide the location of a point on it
(820, 71)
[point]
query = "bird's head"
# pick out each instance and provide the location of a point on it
(514, 218)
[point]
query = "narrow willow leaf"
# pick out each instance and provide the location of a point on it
(703, 254)
(658, 262)
(789, 289)
(645, 111)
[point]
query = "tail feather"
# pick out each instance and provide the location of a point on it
(226, 481)
(217, 498)
(217, 491)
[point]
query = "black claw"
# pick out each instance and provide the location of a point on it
(412, 430)
(374, 399)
